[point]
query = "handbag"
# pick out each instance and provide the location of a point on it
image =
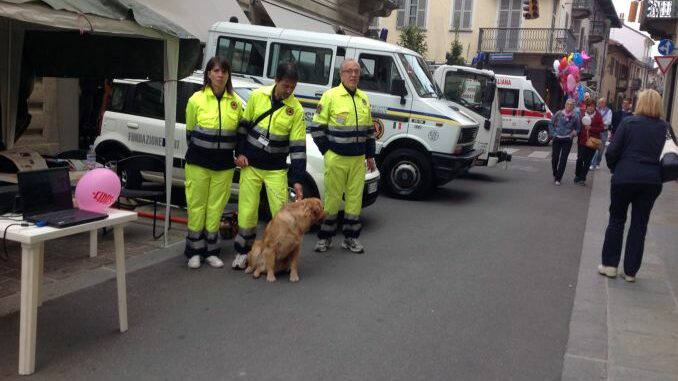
(592, 143)
(669, 159)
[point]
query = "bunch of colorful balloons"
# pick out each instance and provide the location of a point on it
(567, 69)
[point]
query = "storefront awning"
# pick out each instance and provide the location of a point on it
(286, 18)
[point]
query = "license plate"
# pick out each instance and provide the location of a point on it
(372, 187)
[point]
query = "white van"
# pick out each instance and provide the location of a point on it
(134, 124)
(475, 92)
(421, 142)
(525, 115)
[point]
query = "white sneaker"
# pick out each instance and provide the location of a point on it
(323, 244)
(214, 261)
(592, 168)
(353, 245)
(240, 261)
(194, 262)
(608, 271)
(557, 182)
(629, 278)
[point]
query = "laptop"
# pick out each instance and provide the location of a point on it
(46, 196)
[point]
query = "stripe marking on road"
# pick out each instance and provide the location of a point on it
(572, 156)
(539, 154)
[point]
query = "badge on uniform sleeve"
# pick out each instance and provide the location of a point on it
(289, 111)
(234, 105)
(319, 109)
(364, 102)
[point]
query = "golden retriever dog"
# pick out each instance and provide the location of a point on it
(279, 248)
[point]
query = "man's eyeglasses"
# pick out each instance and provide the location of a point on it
(351, 71)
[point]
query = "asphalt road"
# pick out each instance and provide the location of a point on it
(475, 283)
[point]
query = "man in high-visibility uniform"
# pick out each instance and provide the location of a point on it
(272, 127)
(343, 130)
(212, 117)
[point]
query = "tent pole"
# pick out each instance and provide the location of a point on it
(170, 96)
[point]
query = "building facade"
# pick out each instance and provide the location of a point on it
(625, 74)
(512, 44)
(660, 19)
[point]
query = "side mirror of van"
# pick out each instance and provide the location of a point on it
(542, 107)
(398, 89)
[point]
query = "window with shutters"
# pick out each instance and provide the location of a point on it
(462, 15)
(411, 12)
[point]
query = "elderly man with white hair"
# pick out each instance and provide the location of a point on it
(606, 113)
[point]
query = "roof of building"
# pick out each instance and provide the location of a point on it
(611, 13)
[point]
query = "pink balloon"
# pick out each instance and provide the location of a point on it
(574, 70)
(97, 190)
(571, 82)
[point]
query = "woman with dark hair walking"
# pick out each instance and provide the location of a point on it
(591, 126)
(212, 117)
(633, 158)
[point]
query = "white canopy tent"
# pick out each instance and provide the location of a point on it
(83, 36)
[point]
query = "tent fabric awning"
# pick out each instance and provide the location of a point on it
(285, 18)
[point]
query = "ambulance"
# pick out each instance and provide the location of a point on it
(421, 141)
(525, 115)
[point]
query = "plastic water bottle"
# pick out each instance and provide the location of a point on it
(91, 158)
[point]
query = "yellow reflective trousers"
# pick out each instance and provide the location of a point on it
(344, 176)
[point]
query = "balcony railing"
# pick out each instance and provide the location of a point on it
(659, 17)
(526, 40)
(596, 31)
(659, 9)
(635, 84)
(581, 9)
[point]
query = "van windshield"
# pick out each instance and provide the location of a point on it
(420, 76)
(467, 89)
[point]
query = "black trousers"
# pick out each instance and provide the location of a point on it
(641, 197)
(561, 149)
(584, 157)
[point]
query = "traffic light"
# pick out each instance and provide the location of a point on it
(531, 9)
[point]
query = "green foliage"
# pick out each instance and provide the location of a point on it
(454, 56)
(413, 38)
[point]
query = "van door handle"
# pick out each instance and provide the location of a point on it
(132, 125)
(319, 94)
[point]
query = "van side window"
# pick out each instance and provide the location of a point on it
(532, 101)
(377, 73)
(245, 56)
(184, 91)
(341, 56)
(313, 64)
(508, 98)
(148, 100)
(119, 97)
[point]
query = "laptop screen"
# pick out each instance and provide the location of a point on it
(45, 190)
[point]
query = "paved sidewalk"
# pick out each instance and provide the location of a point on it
(626, 331)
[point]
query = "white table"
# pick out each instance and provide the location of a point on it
(32, 241)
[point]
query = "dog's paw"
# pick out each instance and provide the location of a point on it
(249, 269)
(294, 278)
(270, 278)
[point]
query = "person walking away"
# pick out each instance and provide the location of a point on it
(212, 116)
(633, 159)
(564, 127)
(343, 131)
(272, 127)
(618, 116)
(606, 113)
(591, 126)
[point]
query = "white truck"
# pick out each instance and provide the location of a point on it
(421, 141)
(474, 92)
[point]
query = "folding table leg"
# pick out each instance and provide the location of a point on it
(93, 243)
(28, 319)
(118, 236)
(41, 271)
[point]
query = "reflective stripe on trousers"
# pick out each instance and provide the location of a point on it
(344, 176)
(207, 192)
(251, 181)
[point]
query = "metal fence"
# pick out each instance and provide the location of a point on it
(526, 40)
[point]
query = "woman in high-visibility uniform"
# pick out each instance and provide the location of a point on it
(212, 117)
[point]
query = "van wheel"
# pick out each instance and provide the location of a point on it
(540, 135)
(407, 174)
(112, 153)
